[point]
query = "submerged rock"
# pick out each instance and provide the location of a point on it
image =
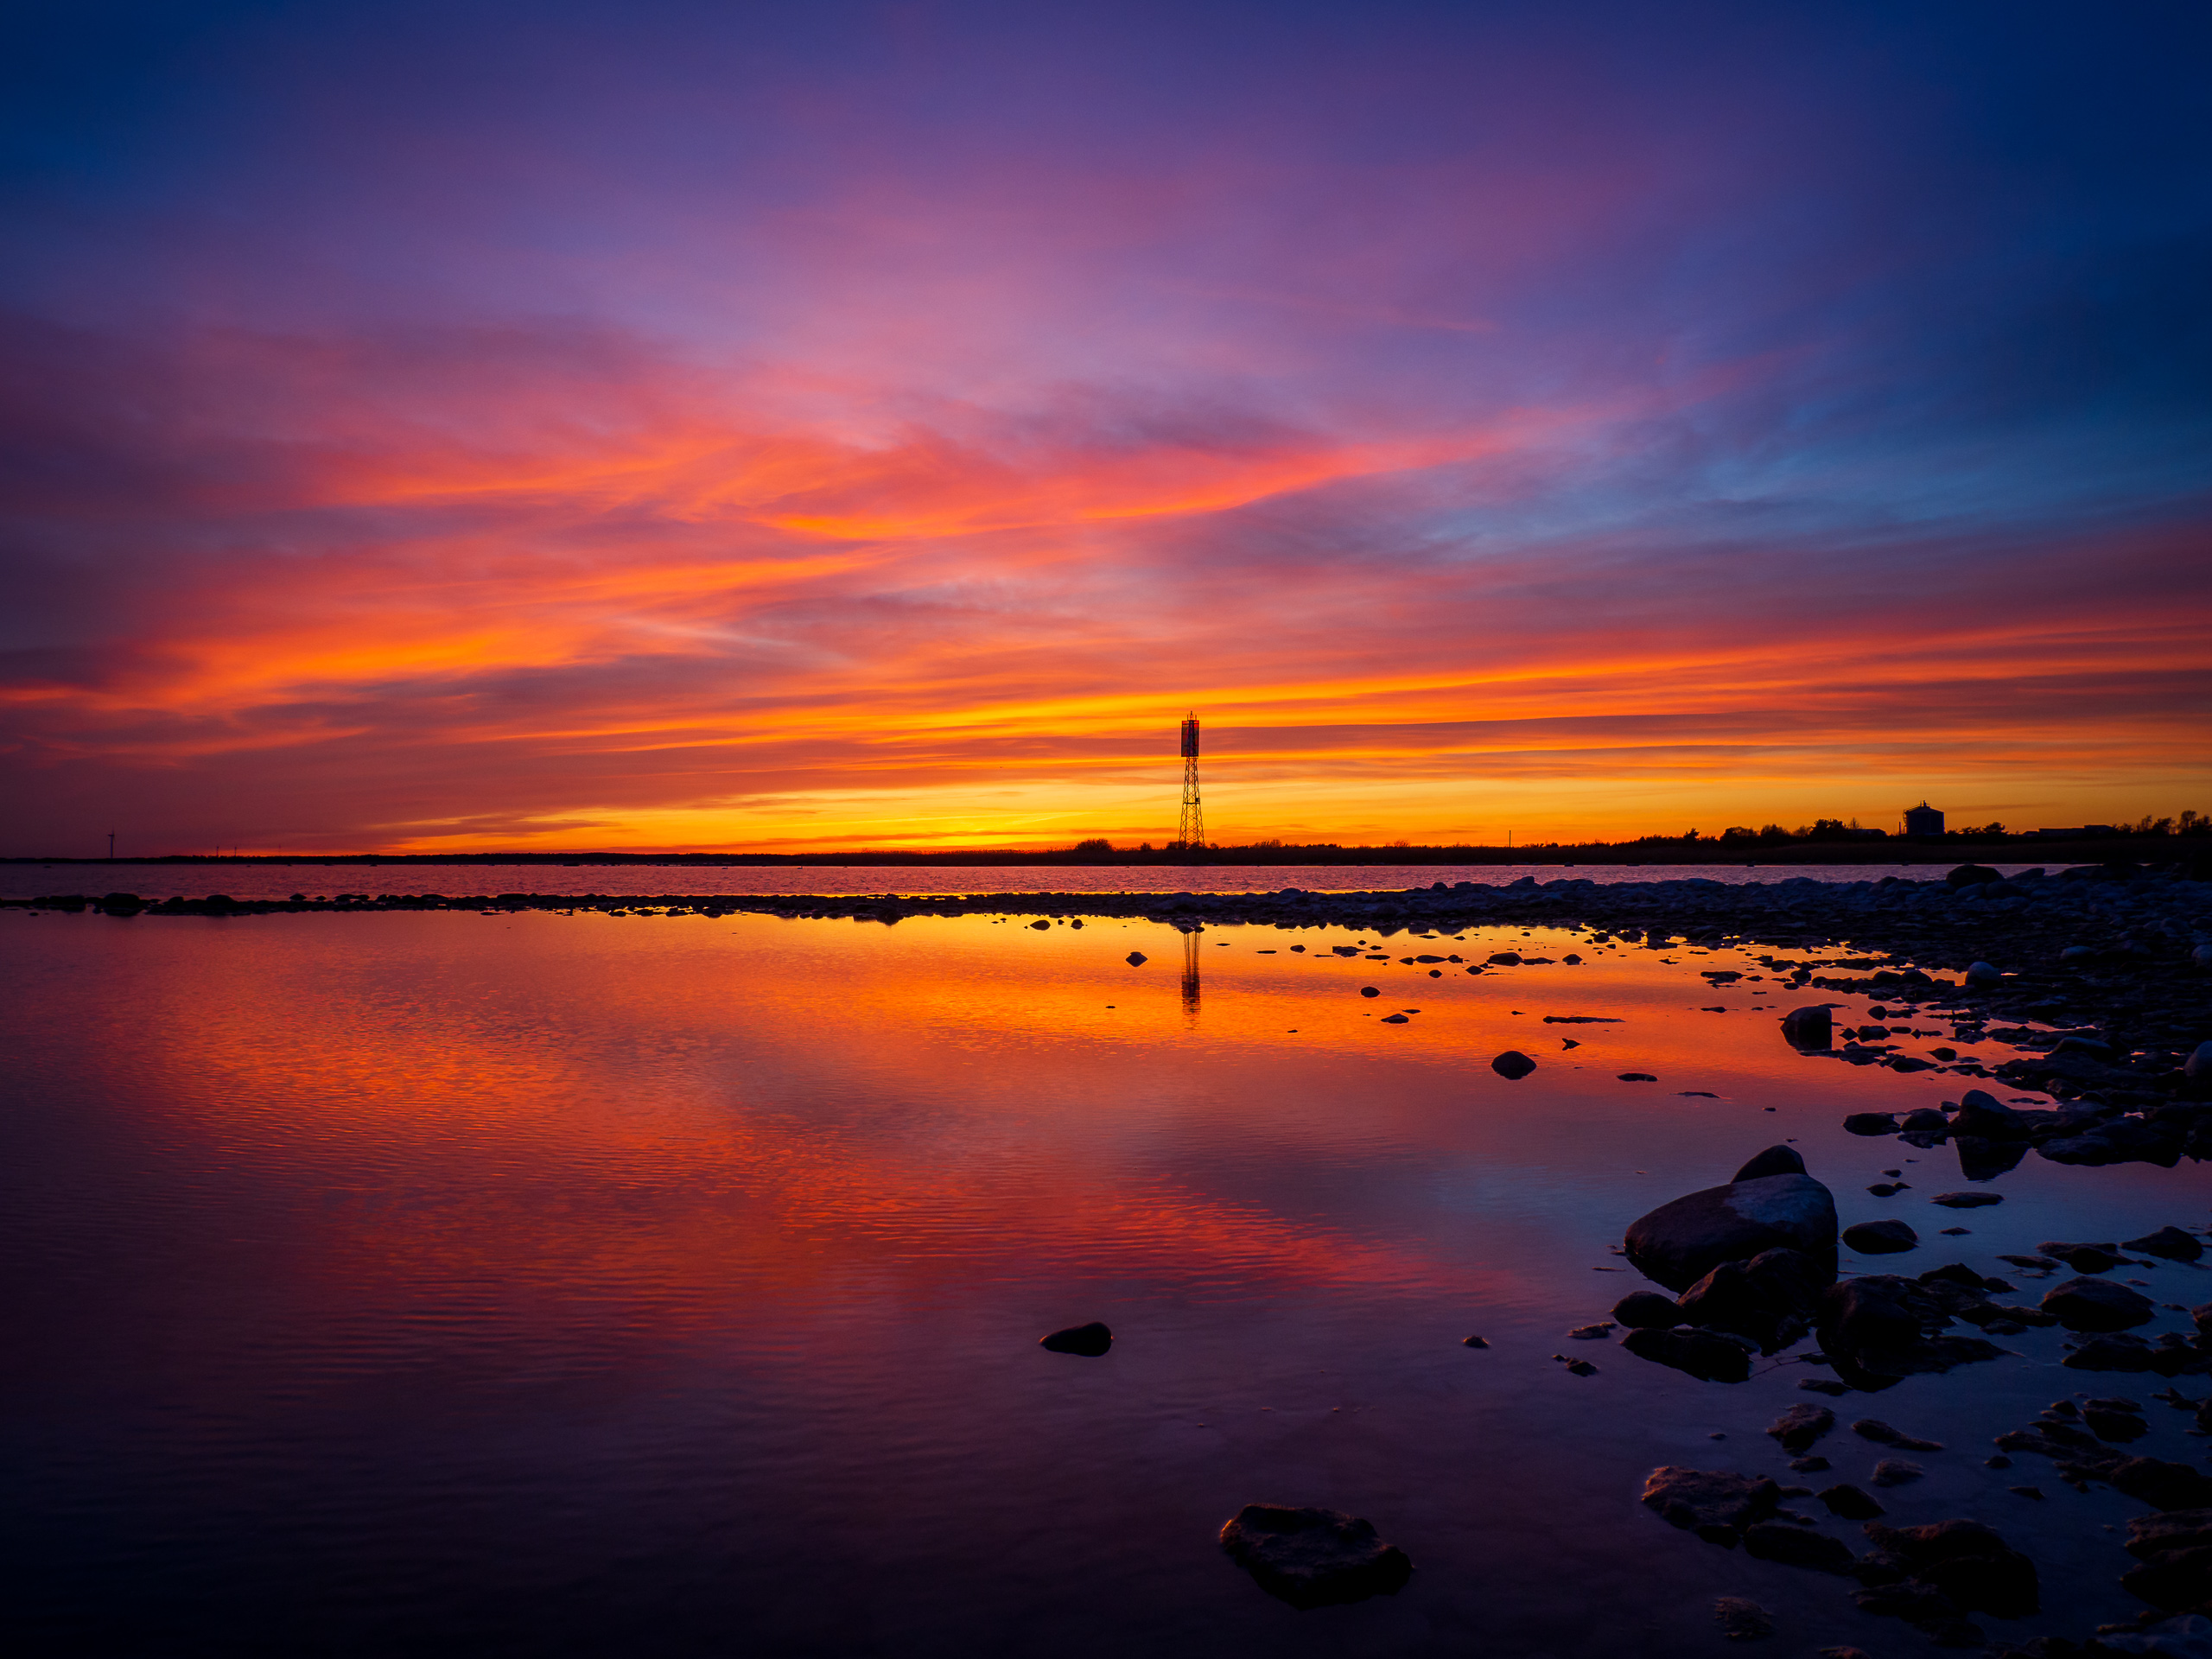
(1741, 1620)
(1715, 1504)
(2169, 1242)
(1678, 1244)
(2162, 1486)
(1881, 1238)
(1513, 1064)
(1794, 1546)
(1801, 1426)
(1313, 1557)
(1853, 1504)
(1090, 1341)
(1966, 1200)
(1775, 1161)
(2097, 1305)
(1964, 1560)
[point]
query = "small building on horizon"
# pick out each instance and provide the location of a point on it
(1922, 820)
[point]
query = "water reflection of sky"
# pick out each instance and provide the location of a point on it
(526, 1281)
(315, 879)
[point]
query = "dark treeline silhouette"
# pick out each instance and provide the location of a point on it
(1827, 842)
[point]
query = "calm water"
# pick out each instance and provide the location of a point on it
(519, 1285)
(323, 881)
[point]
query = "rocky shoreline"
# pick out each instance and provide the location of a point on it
(2118, 956)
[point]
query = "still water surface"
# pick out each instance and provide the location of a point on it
(528, 1284)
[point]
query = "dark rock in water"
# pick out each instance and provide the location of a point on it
(2114, 1427)
(1813, 1027)
(1313, 1557)
(1701, 1353)
(2152, 1536)
(1770, 1299)
(1880, 1237)
(1827, 1385)
(1041, 925)
(2170, 1243)
(1889, 1189)
(1591, 1332)
(1926, 1120)
(1880, 1328)
(2176, 1579)
(1715, 1504)
(2097, 1305)
(1395, 1020)
(1895, 1472)
(1370, 990)
(1775, 1161)
(1090, 1341)
(1741, 1620)
(1473, 1342)
(2162, 1486)
(1636, 1076)
(1678, 1244)
(1964, 1560)
(1985, 1160)
(1136, 958)
(1513, 1064)
(1851, 1504)
(1801, 1426)
(2113, 1352)
(1969, 874)
(1873, 1429)
(1794, 1546)
(1581, 1368)
(1871, 1123)
(1966, 1200)
(1809, 1466)
(1982, 1113)
(2083, 1258)
(1643, 1310)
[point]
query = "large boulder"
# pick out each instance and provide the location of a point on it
(2098, 1304)
(1678, 1244)
(1647, 1309)
(1313, 1557)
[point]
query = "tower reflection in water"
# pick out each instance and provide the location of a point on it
(1190, 973)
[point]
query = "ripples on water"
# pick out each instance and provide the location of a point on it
(529, 1284)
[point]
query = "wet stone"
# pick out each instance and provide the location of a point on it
(2097, 1305)
(1851, 1503)
(1741, 1620)
(1880, 1237)
(1647, 1309)
(1794, 1546)
(1513, 1064)
(1313, 1557)
(1090, 1340)
(1801, 1426)
(1715, 1504)
(1895, 1472)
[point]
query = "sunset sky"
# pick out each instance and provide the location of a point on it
(729, 426)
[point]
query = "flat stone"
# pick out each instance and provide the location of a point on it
(1880, 1237)
(1715, 1504)
(1741, 1620)
(1702, 1354)
(1313, 1557)
(2097, 1305)
(1801, 1426)
(1966, 1200)
(2169, 1243)
(1851, 1503)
